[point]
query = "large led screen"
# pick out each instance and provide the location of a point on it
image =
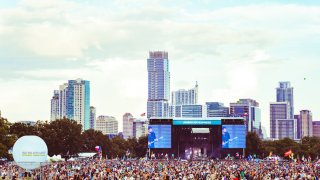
(233, 136)
(159, 136)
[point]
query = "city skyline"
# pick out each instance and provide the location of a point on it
(230, 57)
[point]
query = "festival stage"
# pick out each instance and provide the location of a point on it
(197, 138)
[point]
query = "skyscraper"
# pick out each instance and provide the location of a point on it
(217, 109)
(92, 117)
(140, 127)
(127, 122)
(278, 110)
(182, 96)
(249, 109)
(78, 102)
(286, 128)
(298, 119)
(63, 89)
(188, 111)
(316, 128)
(55, 106)
(285, 94)
(158, 84)
(73, 102)
(107, 125)
(306, 123)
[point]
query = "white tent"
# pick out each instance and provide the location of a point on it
(55, 158)
(71, 159)
(86, 154)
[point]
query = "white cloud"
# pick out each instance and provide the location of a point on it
(228, 50)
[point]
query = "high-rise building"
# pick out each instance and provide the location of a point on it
(286, 128)
(63, 89)
(285, 94)
(217, 109)
(278, 111)
(188, 97)
(92, 117)
(306, 123)
(316, 128)
(188, 111)
(249, 109)
(298, 119)
(158, 84)
(184, 103)
(55, 106)
(73, 102)
(140, 127)
(264, 132)
(107, 125)
(78, 102)
(127, 121)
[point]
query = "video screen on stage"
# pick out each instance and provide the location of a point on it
(233, 136)
(159, 136)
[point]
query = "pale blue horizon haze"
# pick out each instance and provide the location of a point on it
(234, 49)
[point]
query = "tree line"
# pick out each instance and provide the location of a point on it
(308, 146)
(65, 137)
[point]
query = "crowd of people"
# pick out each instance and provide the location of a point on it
(96, 169)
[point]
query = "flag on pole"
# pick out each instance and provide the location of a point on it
(288, 153)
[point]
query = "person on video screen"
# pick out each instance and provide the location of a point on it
(151, 137)
(225, 138)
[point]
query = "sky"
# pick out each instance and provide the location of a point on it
(234, 49)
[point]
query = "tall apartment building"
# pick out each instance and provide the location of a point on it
(107, 124)
(187, 111)
(306, 123)
(182, 96)
(249, 109)
(285, 94)
(73, 99)
(127, 122)
(92, 117)
(158, 84)
(281, 126)
(298, 119)
(140, 128)
(55, 106)
(185, 103)
(217, 109)
(316, 128)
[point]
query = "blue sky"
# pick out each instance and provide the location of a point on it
(234, 49)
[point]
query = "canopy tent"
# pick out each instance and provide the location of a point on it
(55, 158)
(71, 159)
(86, 154)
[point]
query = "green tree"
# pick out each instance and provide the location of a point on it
(141, 147)
(6, 140)
(132, 143)
(21, 129)
(253, 144)
(285, 145)
(61, 136)
(92, 138)
(267, 147)
(118, 147)
(310, 146)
